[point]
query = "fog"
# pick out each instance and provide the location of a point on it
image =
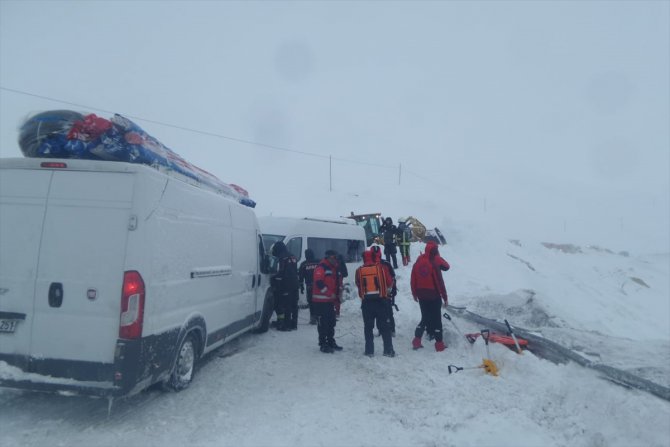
(547, 118)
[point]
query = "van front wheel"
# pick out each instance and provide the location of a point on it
(184, 366)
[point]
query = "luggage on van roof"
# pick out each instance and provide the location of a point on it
(69, 134)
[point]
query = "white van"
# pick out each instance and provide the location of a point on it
(318, 234)
(115, 276)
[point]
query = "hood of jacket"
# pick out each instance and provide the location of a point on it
(431, 249)
(278, 249)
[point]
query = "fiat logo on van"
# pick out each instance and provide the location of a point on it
(91, 294)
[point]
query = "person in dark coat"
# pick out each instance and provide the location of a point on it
(323, 299)
(429, 291)
(389, 233)
(285, 287)
(306, 279)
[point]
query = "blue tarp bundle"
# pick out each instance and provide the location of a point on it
(68, 134)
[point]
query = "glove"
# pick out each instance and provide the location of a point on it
(302, 289)
(394, 292)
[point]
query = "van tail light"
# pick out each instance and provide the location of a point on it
(132, 306)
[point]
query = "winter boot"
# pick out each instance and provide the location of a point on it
(416, 343)
(312, 320)
(334, 345)
(440, 346)
(390, 353)
(326, 349)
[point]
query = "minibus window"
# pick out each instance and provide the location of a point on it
(352, 250)
(294, 247)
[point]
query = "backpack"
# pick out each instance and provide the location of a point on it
(371, 281)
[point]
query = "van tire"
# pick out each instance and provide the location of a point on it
(268, 308)
(184, 366)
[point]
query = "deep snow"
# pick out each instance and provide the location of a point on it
(277, 389)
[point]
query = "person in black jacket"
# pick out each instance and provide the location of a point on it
(285, 287)
(390, 232)
(305, 279)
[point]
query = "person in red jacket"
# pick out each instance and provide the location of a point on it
(429, 290)
(324, 294)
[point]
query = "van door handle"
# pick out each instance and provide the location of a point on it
(253, 282)
(259, 280)
(55, 294)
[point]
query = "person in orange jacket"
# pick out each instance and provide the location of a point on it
(324, 295)
(377, 255)
(374, 283)
(429, 291)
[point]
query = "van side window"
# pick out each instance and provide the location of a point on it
(294, 247)
(263, 257)
(269, 240)
(352, 250)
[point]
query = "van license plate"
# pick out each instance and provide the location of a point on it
(8, 325)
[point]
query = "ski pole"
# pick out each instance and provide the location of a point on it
(448, 317)
(516, 342)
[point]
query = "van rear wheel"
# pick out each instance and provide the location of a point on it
(184, 367)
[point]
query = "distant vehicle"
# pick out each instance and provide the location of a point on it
(115, 276)
(318, 234)
(372, 224)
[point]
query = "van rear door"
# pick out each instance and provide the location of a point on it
(23, 198)
(81, 265)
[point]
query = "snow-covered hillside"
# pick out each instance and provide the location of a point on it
(277, 389)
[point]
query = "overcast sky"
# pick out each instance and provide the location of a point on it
(534, 102)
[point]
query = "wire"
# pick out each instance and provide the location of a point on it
(202, 132)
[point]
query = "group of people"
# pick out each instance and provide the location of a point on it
(396, 237)
(322, 282)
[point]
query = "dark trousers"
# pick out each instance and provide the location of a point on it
(308, 295)
(391, 257)
(431, 320)
(325, 315)
(376, 310)
(280, 307)
(291, 309)
(390, 303)
(286, 306)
